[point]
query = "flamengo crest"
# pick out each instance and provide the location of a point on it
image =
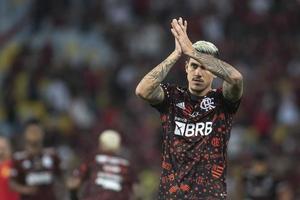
(207, 104)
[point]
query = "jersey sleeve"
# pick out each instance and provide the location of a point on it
(82, 171)
(16, 171)
(230, 107)
(57, 165)
(163, 106)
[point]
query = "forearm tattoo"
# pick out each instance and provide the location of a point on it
(214, 65)
(155, 77)
(232, 87)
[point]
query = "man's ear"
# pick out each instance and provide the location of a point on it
(186, 66)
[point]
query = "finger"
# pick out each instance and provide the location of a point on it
(180, 22)
(185, 25)
(177, 27)
(178, 31)
(173, 24)
(174, 33)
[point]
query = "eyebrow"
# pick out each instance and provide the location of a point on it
(193, 63)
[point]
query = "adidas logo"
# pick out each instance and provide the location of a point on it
(181, 105)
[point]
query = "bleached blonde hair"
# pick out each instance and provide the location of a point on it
(206, 47)
(110, 140)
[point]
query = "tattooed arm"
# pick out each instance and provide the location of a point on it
(149, 88)
(233, 80)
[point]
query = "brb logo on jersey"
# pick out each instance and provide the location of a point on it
(207, 104)
(189, 130)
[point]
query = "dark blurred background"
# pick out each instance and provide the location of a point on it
(74, 65)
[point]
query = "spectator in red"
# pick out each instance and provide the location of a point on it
(36, 168)
(5, 167)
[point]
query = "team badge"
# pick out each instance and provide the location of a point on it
(207, 104)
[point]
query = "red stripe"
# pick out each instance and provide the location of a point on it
(217, 173)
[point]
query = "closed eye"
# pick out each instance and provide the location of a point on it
(194, 65)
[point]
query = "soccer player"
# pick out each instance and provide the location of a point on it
(35, 169)
(259, 183)
(5, 168)
(196, 120)
(108, 176)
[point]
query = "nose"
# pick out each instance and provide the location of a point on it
(198, 71)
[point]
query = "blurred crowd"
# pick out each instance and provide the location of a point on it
(74, 65)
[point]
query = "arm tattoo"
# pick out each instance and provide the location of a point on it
(233, 92)
(215, 66)
(150, 83)
(233, 83)
(158, 74)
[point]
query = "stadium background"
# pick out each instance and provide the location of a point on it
(74, 65)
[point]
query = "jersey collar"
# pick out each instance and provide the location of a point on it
(197, 98)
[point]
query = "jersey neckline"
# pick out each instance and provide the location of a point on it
(197, 98)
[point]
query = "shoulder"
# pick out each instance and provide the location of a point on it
(216, 91)
(20, 155)
(51, 152)
(180, 89)
(216, 95)
(171, 92)
(111, 159)
(227, 105)
(171, 89)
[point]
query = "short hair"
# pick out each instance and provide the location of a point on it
(110, 140)
(30, 122)
(206, 48)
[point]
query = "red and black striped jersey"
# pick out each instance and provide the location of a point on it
(106, 177)
(39, 171)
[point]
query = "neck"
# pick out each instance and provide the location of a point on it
(200, 93)
(108, 151)
(34, 151)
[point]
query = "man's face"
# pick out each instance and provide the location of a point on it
(198, 77)
(34, 136)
